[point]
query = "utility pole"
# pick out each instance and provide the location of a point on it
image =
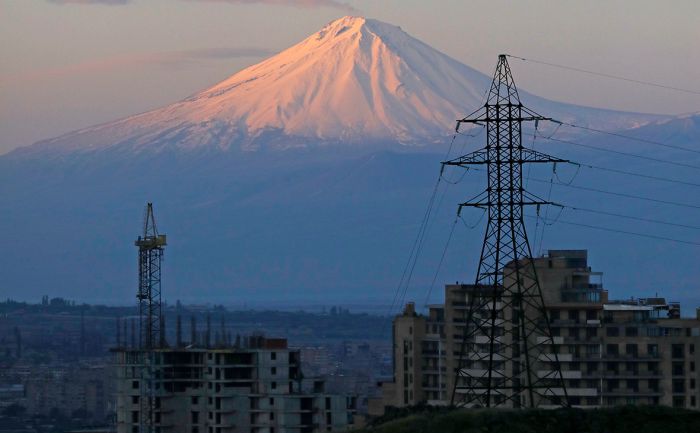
(508, 356)
(151, 246)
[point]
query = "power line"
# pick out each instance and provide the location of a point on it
(442, 259)
(417, 243)
(645, 176)
(617, 152)
(631, 217)
(608, 229)
(628, 137)
(603, 74)
(620, 194)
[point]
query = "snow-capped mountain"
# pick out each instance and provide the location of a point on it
(334, 219)
(355, 81)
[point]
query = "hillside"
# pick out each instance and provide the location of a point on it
(614, 420)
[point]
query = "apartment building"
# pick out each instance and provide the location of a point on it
(636, 351)
(256, 388)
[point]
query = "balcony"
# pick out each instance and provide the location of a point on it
(566, 374)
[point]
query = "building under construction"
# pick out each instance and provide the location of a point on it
(628, 352)
(255, 385)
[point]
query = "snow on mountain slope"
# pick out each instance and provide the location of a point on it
(355, 81)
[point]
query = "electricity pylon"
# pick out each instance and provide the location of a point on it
(508, 356)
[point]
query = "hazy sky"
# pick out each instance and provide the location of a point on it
(66, 64)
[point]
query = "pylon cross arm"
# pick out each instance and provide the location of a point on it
(477, 157)
(529, 155)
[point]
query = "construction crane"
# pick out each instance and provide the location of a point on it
(151, 246)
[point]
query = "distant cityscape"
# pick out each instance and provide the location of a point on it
(57, 372)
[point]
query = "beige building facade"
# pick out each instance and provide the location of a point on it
(632, 352)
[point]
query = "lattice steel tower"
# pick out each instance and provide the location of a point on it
(507, 352)
(151, 247)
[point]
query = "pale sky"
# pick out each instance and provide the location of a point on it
(67, 64)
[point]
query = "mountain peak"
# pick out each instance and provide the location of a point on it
(350, 25)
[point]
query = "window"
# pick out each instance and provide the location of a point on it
(678, 401)
(273, 385)
(591, 315)
(273, 370)
(554, 314)
(631, 331)
(611, 350)
(677, 351)
(633, 384)
(677, 368)
(612, 331)
(135, 384)
(653, 349)
(195, 417)
(653, 332)
(272, 401)
(654, 385)
(591, 332)
(573, 315)
(631, 349)
(678, 386)
(134, 416)
(273, 356)
(195, 400)
(135, 399)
